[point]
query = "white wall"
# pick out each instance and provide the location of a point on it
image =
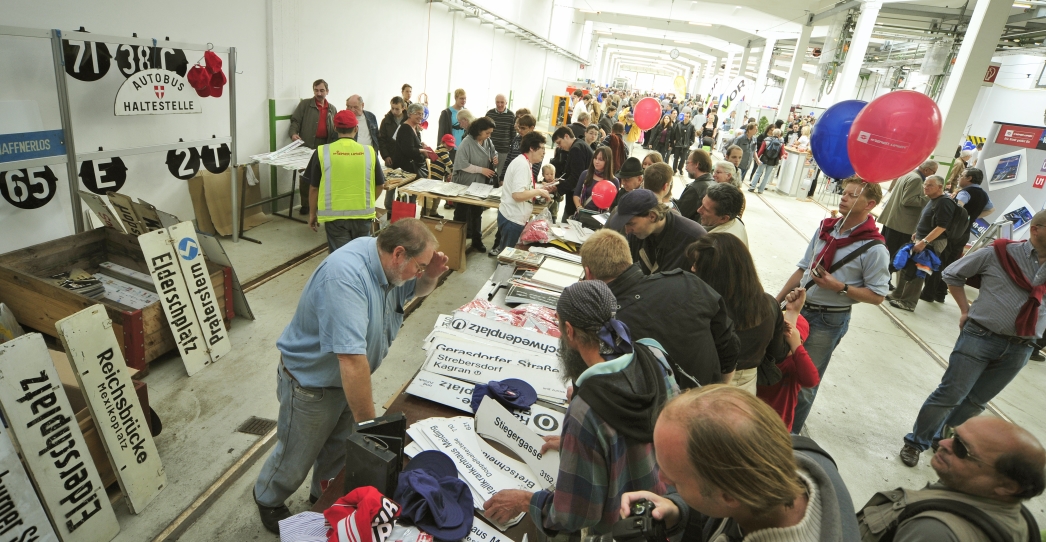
(1013, 98)
(283, 45)
(239, 23)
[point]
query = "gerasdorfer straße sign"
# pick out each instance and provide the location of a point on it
(102, 373)
(46, 432)
(174, 297)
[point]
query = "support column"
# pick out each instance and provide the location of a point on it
(742, 70)
(795, 71)
(975, 53)
(763, 70)
(728, 73)
(845, 87)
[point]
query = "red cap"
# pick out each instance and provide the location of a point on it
(448, 140)
(364, 515)
(213, 61)
(198, 77)
(217, 81)
(345, 119)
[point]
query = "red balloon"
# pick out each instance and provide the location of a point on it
(647, 112)
(603, 194)
(893, 134)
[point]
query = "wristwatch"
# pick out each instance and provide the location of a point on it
(846, 287)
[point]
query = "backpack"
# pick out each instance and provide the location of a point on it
(959, 225)
(773, 149)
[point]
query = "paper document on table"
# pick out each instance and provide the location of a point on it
(425, 185)
(478, 190)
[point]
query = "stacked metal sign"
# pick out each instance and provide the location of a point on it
(70, 503)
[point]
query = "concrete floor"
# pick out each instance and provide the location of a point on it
(879, 377)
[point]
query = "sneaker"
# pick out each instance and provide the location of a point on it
(271, 516)
(1036, 355)
(493, 252)
(751, 189)
(910, 455)
(758, 191)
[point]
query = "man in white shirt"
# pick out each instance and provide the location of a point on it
(719, 210)
(581, 107)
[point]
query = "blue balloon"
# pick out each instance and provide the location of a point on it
(968, 146)
(829, 136)
(426, 117)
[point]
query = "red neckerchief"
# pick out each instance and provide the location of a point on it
(1028, 316)
(865, 232)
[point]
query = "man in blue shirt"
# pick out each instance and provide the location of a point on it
(348, 315)
(831, 294)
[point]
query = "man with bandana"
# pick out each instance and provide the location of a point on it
(606, 448)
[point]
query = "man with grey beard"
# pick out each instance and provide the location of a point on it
(349, 313)
(606, 448)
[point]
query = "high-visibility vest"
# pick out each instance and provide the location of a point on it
(343, 165)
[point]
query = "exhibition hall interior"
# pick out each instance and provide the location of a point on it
(507, 270)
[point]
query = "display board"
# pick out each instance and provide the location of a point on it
(1014, 164)
(112, 118)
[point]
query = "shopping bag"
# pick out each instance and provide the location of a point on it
(403, 209)
(374, 453)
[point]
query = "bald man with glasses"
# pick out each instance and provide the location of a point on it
(987, 468)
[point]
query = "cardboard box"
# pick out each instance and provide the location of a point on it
(211, 196)
(451, 237)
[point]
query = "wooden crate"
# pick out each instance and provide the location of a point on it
(143, 334)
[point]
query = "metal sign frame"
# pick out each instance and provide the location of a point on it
(71, 157)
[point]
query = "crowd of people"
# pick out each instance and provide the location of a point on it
(691, 383)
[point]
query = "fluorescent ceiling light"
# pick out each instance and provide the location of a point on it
(682, 42)
(588, 11)
(603, 32)
(700, 24)
(1021, 5)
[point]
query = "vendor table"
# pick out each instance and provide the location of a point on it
(492, 204)
(416, 409)
(392, 183)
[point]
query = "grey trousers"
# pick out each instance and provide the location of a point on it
(340, 232)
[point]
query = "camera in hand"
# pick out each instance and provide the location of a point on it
(640, 525)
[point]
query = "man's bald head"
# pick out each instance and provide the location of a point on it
(1003, 460)
(928, 167)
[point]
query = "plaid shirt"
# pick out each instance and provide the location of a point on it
(596, 467)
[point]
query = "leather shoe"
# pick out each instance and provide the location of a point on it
(1037, 355)
(479, 247)
(303, 210)
(271, 516)
(910, 455)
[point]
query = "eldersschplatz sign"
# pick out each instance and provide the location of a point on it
(157, 92)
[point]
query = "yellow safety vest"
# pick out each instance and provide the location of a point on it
(343, 164)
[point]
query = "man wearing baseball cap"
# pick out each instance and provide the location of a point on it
(631, 176)
(344, 179)
(606, 447)
(658, 237)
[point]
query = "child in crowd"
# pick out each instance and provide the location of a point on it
(441, 170)
(798, 370)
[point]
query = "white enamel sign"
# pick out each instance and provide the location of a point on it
(174, 297)
(102, 373)
(480, 362)
(22, 517)
(201, 291)
(156, 92)
(97, 204)
(498, 424)
(477, 327)
(45, 431)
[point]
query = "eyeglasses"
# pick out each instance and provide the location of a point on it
(959, 448)
(421, 266)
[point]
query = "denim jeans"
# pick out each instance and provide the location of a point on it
(510, 232)
(981, 365)
(762, 177)
(826, 330)
(311, 431)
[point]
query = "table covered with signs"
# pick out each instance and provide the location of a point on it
(485, 340)
(483, 195)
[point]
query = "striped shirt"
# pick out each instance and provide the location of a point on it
(439, 168)
(1000, 299)
(504, 128)
(596, 466)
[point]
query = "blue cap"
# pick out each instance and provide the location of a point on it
(512, 393)
(434, 498)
